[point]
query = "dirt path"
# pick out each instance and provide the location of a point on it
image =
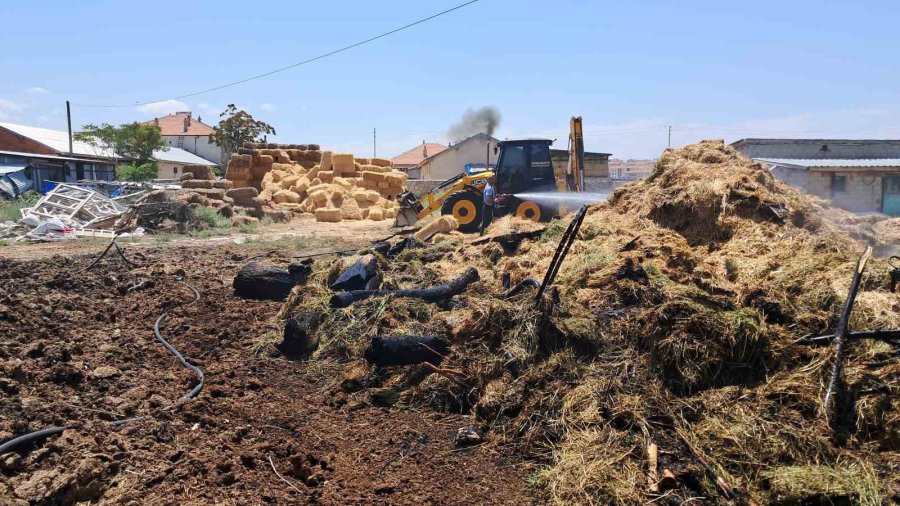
(300, 233)
(79, 351)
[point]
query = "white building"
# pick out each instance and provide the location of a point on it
(478, 149)
(171, 162)
(181, 130)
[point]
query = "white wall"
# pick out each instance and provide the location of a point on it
(453, 160)
(168, 170)
(198, 145)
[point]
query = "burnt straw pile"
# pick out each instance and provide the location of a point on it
(671, 358)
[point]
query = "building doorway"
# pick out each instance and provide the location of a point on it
(890, 196)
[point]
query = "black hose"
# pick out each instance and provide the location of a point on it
(521, 286)
(42, 434)
(38, 435)
(103, 254)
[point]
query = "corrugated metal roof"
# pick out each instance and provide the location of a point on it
(57, 140)
(23, 184)
(178, 155)
(833, 162)
(6, 168)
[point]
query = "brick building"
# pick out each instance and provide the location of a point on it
(857, 175)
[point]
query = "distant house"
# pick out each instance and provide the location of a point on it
(29, 156)
(409, 161)
(477, 149)
(857, 175)
(181, 130)
(630, 170)
(171, 162)
(41, 154)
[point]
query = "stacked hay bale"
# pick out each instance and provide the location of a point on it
(201, 180)
(249, 166)
(332, 186)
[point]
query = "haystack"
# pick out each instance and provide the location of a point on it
(680, 306)
(310, 181)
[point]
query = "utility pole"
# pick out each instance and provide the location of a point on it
(374, 144)
(69, 118)
(670, 136)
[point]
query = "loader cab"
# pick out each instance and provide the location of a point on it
(524, 166)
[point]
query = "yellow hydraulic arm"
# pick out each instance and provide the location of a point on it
(575, 168)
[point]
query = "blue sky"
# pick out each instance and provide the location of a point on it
(712, 69)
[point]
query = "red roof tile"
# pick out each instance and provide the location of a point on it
(174, 124)
(416, 155)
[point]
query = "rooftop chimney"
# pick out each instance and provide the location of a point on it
(424, 150)
(187, 123)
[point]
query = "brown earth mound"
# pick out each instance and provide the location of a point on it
(680, 304)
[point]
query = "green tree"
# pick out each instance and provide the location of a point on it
(135, 172)
(134, 141)
(237, 127)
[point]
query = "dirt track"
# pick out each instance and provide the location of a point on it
(79, 351)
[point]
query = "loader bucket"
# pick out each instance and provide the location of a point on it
(406, 216)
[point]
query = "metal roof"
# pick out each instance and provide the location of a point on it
(8, 168)
(58, 140)
(178, 155)
(833, 162)
(22, 183)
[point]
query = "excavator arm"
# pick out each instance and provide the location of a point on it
(575, 168)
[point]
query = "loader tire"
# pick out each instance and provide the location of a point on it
(466, 208)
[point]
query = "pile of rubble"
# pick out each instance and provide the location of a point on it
(303, 179)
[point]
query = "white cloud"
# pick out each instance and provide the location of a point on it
(8, 107)
(269, 107)
(164, 107)
(37, 90)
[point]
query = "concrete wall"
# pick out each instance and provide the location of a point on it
(168, 170)
(820, 149)
(595, 164)
(453, 160)
(863, 189)
(199, 145)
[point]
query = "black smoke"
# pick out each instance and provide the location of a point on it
(474, 121)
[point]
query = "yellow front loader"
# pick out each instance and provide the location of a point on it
(524, 175)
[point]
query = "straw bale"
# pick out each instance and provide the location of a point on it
(282, 196)
(381, 162)
(292, 207)
(301, 186)
(378, 177)
(265, 160)
(373, 196)
(223, 184)
(382, 185)
(442, 225)
(342, 182)
(313, 172)
(362, 161)
(246, 161)
(395, 178)
(196, 183)
(326, 176)
(328, 215)
(289, 181)
(319, 187)
(283, 157)
(326, 162)
(373, 168)
(319, 198)
(375, 213)
(315, 182)
(342, 162)
(200, 171)
(350, 210)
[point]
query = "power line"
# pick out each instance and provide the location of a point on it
(282, 69)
